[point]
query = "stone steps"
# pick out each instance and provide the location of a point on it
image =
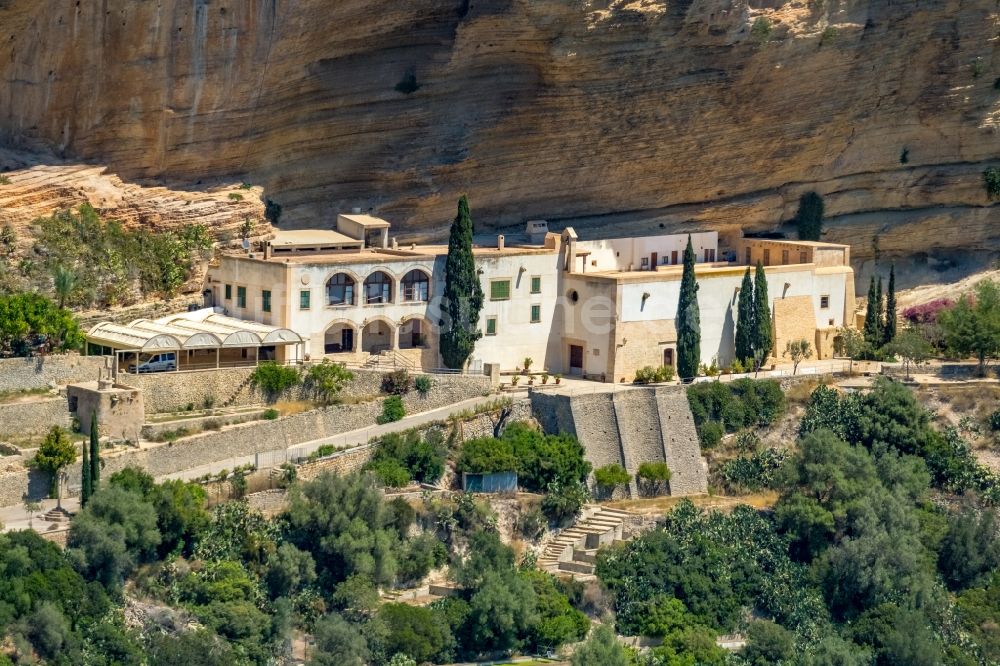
(574, 550)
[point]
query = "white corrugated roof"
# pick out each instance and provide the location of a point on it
(189, 331)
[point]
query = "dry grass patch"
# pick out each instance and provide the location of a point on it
(290, 407)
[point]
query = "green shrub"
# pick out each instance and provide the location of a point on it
(564, 501)
(991, 181)
(391, 472)
(423, 459)
(325, 380)
(645, 375)
(272, 211)
(743, 403)
(809, 218)
(397, 382)
(235, 196)
(423, 385)
(995, 421)
(270, 414)
(761, 30)
(754, 472)
(653, 477)
(531, 523)
(611, 475)
(710, 434)
(408, 84)
(392, 410)
(4, 180)
(274, 379)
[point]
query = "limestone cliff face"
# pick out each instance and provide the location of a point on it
(618, 113)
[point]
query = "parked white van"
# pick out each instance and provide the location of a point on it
(158, 363)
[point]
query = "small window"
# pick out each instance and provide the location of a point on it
(500, 290)
(767, 257)
(265, 300)
(536, 314)
(304, 299)
(491, 326)
(229, 292)
(536, 284)
(784, 257)
(746, 252)
(824, 301)
(597, 351)
(645, 262)
(241, 297)
(803, 257)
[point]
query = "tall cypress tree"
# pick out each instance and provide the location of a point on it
(463, 294)
(85, 488)
(880, 312)
(762, 343)
(745, 320)
(889, 331)
(688, 320)
(95, 456)
(871, 329)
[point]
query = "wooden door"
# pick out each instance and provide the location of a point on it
(668, 357)
(673, 257)
(652, 261)
(576, 359)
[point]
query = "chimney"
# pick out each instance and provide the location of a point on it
(500, 242)
(395, 243)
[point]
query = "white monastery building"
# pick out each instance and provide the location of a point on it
(600, 308)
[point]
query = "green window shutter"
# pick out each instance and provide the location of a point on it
(229, 292)
(241, 297)
(304, 297)
(265, 297)
(536, 314)
(491, 326)
(499, 290)
(536, 285)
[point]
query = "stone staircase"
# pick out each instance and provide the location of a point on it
(574, 550)
(60, 517)
(244, 385)
(389, 359)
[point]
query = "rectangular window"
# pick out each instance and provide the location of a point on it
(803, 257)
(229, 292)
(767, 257)
(824, 301)
(536, 284)
(536, 314)
(784, 257)
(747, 252)
(304, 296)
(265, 300)
(499, 290)
(491, 326)
(241, 297)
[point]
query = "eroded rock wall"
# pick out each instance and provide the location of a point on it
(623, 114)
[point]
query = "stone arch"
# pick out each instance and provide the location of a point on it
(340, 337)
(415, 285)
(415, 332)
(379, 287)
(378, 334)
(342, 287)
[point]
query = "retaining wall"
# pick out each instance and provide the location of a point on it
(34, 417)
(20, 374)
(231, 387)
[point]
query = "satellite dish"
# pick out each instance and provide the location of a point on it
(246, 244)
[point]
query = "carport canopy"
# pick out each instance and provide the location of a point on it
(198, 330)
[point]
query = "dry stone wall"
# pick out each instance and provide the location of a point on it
(22, 374)
(174, 391)
(33, 417)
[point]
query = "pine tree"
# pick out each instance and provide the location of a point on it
(85, 488)
(889, 331)
(688, 320)
(809, 218)
(745, 320)
(95, 456)
(463, 294)
(762, 342)
(871, 328)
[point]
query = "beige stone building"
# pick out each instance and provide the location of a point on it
(598, 308)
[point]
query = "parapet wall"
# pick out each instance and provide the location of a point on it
(24, 374)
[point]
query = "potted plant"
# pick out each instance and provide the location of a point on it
(527, 364)
(545, 378)
(558, 378)
(515, 379)
(531, 380)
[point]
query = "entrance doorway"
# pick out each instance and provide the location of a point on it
(575, 360)
(652, 261)
(668, 357)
